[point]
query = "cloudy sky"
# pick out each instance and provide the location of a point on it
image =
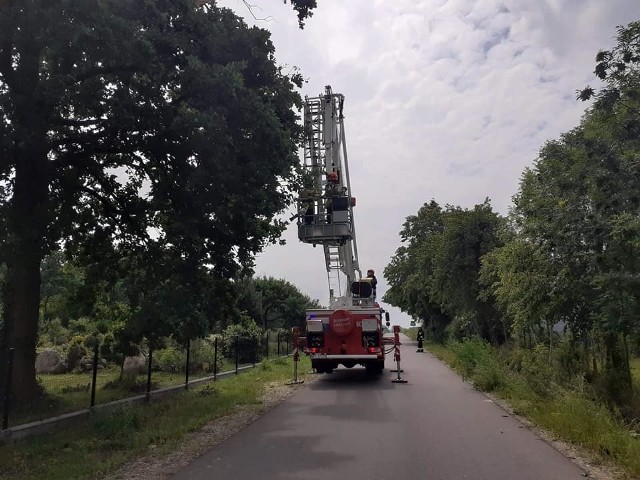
(445, 99)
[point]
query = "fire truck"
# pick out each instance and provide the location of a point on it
(350, 331)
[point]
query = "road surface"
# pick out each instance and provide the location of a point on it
(345, 426)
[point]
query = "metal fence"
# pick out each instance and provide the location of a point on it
(97, 378)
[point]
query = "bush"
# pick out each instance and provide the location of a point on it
(469, 354)
(201, 357)
(169, 360)
(75, 351)
(537, 371)
(107, 349)
(475, 360)
(248, 337)
(54, 333)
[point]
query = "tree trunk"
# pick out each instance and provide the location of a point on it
(27, 221)
(617, 369)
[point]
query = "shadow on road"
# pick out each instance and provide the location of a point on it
(353, 378)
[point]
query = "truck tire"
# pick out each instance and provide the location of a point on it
(375, 368)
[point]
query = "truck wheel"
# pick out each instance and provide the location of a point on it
(375, 368)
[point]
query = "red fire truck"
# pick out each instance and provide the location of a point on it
(350, 331)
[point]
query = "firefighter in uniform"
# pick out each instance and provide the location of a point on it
(374, 281)
(420, 339)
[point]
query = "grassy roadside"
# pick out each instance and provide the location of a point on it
(566, 412)
(110, 439)
(63, 396)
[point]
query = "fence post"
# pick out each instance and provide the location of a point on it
(7, 391)
(95, 375)
(237, 354)
(149, 374)
(267, 344)
(278, 343)
(256, 341)
(215, 358)
(288, 342)
(186, 378)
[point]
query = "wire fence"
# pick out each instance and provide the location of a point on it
(94, 376)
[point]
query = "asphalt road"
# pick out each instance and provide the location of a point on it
(345, 426)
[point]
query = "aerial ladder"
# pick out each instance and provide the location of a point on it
(350, 331)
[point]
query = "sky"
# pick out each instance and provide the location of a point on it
(444, 99)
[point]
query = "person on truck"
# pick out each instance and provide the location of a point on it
(332, 190)
(374, 281)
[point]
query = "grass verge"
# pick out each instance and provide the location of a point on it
(568, 414)
(110, 439)
(70, 392)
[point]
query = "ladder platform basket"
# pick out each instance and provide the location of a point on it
(336, 233)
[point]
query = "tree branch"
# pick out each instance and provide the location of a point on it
(98, 71)
(5, 61)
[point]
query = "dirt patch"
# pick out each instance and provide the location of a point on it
(162, 466)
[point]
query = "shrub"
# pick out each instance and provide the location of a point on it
(469, 354)
(107, 349)
(54, 332)
(248, 337)
(475, 360)
(75, 351)
(169, 360)
(201, 357)
(537, 370)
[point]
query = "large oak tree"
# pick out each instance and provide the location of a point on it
(153, 129)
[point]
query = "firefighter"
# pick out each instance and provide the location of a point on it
(420, 339)
(331, 191)
(374, 281)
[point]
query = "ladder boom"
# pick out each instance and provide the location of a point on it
(325, 205)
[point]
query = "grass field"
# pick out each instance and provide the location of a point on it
(65, 393)
(111, 438)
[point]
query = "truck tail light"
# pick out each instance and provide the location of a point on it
(315, 341)
(374, 350)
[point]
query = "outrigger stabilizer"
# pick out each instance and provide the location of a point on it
(295, 331)
(396, 355)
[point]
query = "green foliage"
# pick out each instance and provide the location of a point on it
(618, 67)
(534, 366)
(470, 354)
(215, 168)
(434, 276)
(273, 302)
(244, 336)
(475, 360)
(54, 333)
(75, 351)
(117, 425)
(169, 360)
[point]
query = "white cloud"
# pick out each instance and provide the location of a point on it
(445, 99)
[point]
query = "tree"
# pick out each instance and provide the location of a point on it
(578, 208)
(274, 302)
(435, 276)
(149, 126)
(618, 68)
(409, 272)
